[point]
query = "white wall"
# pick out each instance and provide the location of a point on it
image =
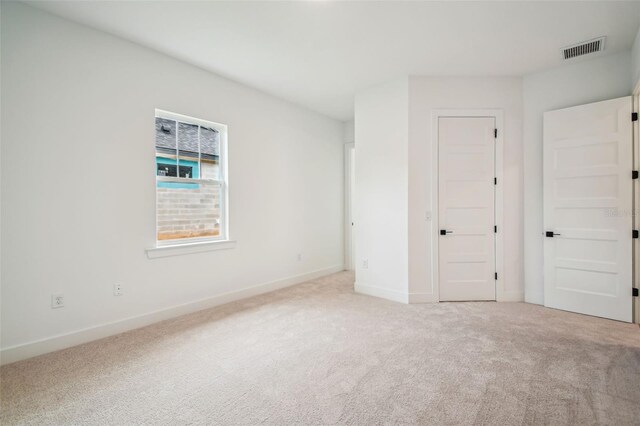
(349, 137)
(78, 185)
(380, 211)
(349, 132)
(583, 82)
(426, 95)
(393, 181)
(635, 62)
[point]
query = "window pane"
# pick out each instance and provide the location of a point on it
(166, 136)
(210, 141)
(210, 169)
(166, 147)
(188, 210)
(210, 153)
(188, 140)
(188, 149)
(186, 172)
(165, 169)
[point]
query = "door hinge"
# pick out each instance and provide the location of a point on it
(496, 275)
(634, 174)
(635, 233)
(495, 133)
(634, 292)
(495, 229)
(495, 180)
(634, 116)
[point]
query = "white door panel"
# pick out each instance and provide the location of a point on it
(588, 205)
(466, 199)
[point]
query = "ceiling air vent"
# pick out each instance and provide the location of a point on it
(584, 48)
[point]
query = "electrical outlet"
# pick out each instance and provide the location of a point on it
(57, 301)
(365, 264)
(117, 289)
(299, 257)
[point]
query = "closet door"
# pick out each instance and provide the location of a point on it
(466, 200)
(588, 209)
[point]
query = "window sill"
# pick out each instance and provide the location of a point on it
(189, 248)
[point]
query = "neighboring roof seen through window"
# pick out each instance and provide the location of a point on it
(187, 139)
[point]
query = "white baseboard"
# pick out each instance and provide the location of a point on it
(423, 298)
(401, 297)
(383, 293)
(66, 340)
(510, 297)
(536, 298)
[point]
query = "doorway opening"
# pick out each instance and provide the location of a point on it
(349, 186)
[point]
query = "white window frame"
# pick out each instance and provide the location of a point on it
(222, 182)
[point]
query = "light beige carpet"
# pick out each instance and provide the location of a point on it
(319, 354)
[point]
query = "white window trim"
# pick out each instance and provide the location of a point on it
(189, 248)
(176, 247)
(222, 128)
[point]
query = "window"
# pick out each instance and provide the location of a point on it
(191, 191)
(165, 169)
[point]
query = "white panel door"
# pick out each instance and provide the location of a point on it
(466, 208)
(588, 209)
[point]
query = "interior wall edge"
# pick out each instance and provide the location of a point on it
(380, 292)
